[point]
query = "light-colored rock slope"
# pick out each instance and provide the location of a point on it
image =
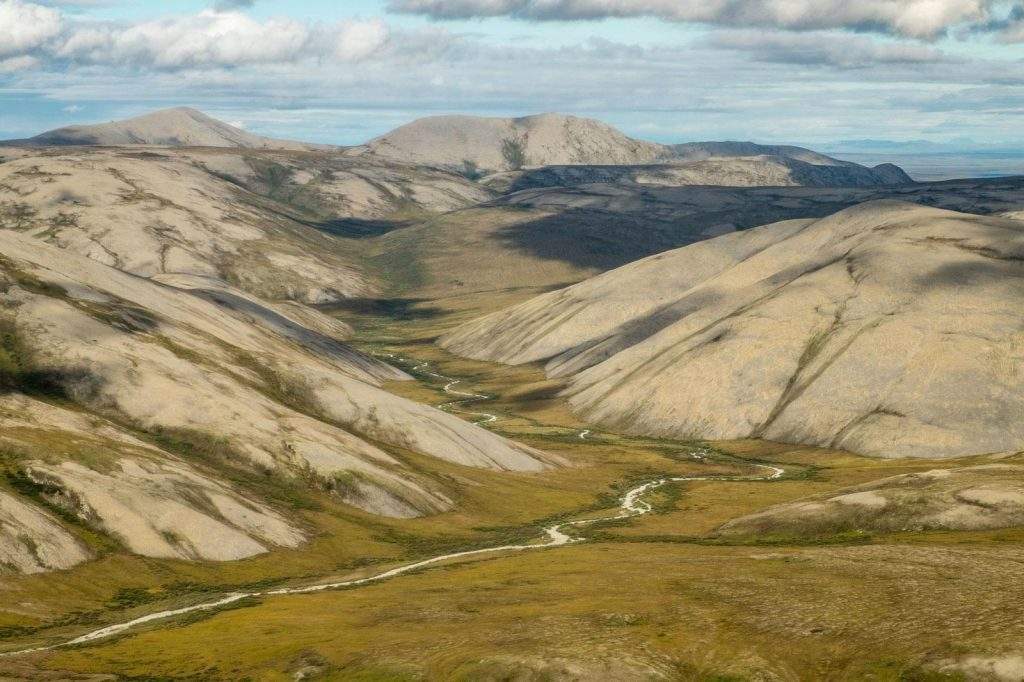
(882, 174)
(272, 223)
(341, 187)
(549, 139)
(32, 541)
(584, 149)
(164, 509)
(888, 329)
(152, 502)
(177, 127)
(151, 215)
(206, 363)
(969, 498)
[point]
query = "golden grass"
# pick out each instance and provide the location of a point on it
(652, 596)
(686, 611)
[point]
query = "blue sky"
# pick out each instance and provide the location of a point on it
(800, 71)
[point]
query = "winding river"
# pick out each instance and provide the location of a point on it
(631, 504)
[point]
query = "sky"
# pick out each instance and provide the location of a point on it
(944, 74)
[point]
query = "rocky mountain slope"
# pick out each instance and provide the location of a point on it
(887, 329)
(535, 239)
(98, 365)
(177, 127)
(735, 171)
(572, 151)
(546, 139)
(206, 213)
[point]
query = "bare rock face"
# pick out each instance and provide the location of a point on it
(152, 502)
(163, 215)
(969, 498)
(177, 127)
(214, 362)
(166, 509)
(887, 329)
(31, 541)
(565, 151)
(545, 139)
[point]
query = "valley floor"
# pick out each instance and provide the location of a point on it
(662, 595)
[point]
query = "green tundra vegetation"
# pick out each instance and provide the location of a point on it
(662, 596)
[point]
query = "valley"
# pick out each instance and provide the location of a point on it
(579, 600)
(718, 410)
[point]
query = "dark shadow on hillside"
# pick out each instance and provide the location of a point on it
(358, 228)
(604, 240)
(607, 225)
(51, 383)
(973, 273)
(394, 308)
(280, 324)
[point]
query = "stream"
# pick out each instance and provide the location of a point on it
(631, 505)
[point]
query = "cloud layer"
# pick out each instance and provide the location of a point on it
(215, 38)
(910, 18)
(821, 70)
(26, 27)
(816, 49)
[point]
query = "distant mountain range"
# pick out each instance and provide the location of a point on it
(177, 127)
(479, 146)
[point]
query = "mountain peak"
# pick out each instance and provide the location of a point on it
(172, 127)
(546, 139)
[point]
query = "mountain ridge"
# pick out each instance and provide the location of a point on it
(820, 332)
(476, 146)
(175, 127)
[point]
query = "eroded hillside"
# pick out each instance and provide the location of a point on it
(888, 329)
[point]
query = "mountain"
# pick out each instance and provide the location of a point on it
(809, 166)
(566, 150)
(738, 171)
(169, 415)
(888, 329)
(165, 388)
(265, 221)
(177, 127)
(541, 238)
(476, 146)
(699, 151)
(546, 139)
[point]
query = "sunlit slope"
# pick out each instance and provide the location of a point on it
(888, 329)
(175, 127)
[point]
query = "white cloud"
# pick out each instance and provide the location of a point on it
(210, 39)
(360, 39)
(16, 64)
(25, 27)
(207, 39)
(730, 82)
(911, 18)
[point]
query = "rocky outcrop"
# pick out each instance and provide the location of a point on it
(970, 498)
(215, 363)
(32, 541)
(165, 509)
(888, 329)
